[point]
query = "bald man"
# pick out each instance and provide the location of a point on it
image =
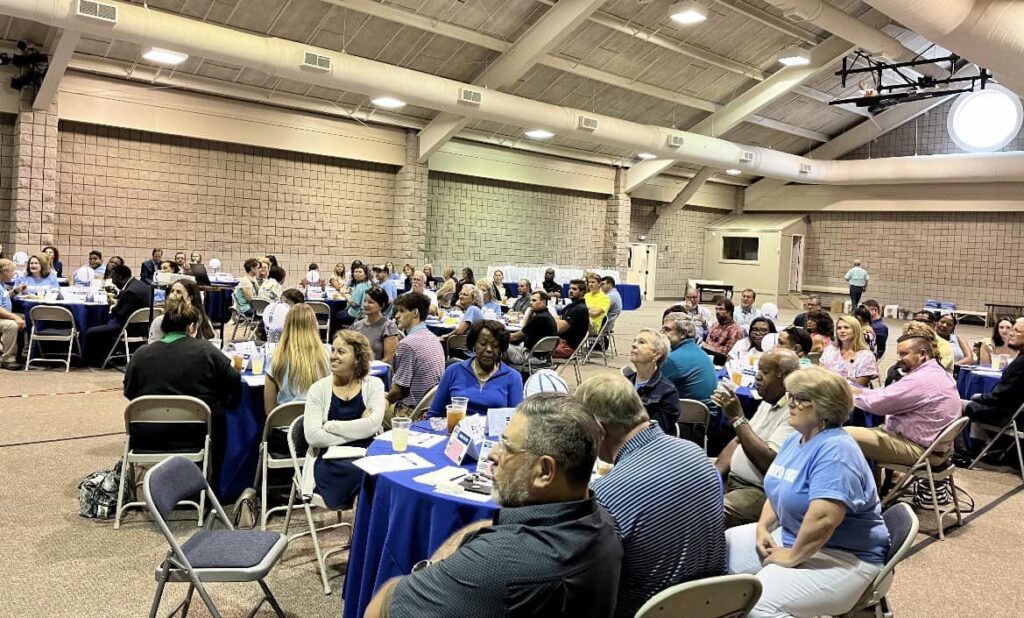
(744, 461)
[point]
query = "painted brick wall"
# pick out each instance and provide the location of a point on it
(476, 222)
(126, 192)
(6, 180)
(680, 240)
(967, 258)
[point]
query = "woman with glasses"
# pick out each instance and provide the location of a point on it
(484, 379)
(760, 338)
(821, 539)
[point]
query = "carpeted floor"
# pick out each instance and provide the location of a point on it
(55, 428)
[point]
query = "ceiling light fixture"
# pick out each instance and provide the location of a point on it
(687, 13)
(646, 155)
(733, 172)
(539, 134)
(795, 57)
(388, 102)
(164, 56)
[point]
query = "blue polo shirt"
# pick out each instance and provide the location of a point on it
(829, 466)
(5, 298)
(691, 370)
(503, 390)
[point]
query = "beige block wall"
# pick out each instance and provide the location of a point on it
(680, 240)
(126, 192)
(6, 181)
(966, 258)
(476, 222)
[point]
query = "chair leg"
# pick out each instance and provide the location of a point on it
(71, 347)
(1020, 457)
(935, 506)
(261, 472)
(187, 601)
(316, 548)
(28, 354)
(988, 446)
(956, 501)
(204, 595)
(271, 599)
(120, 486)
(291, 504)
(160, 583)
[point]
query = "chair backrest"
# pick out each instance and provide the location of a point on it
(693, 412)
(259, 305)
(172, 480)
(903, 525)
(141, 316)
(947, 435)
(297, 445)
(424, 404)
(727, 596)
(319, 308)
(457, 342)
(546, 345)
(282, 416)
(166, 409)
(51, 313)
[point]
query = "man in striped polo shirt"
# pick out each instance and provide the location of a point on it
(419, 359)
(664, 494)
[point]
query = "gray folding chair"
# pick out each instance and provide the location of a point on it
(573, 360)
(922, 470)
(323, 318)
(598, 343)
(240, 319)
(727, 596)
(903, 526)
(173, 414)
(1010, 429)
(258, 306)
(423, 405)
(297, 445)
(540, 353)
(60, 328)
(208, 555)
(457, 343)
(137, 318)
(693, 412)
(280, 418)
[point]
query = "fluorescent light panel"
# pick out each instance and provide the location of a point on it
(795, 57)
(164, 56)
(539, 134)
(647, 155)
(687, 13)
(388, 102)
(733, 172)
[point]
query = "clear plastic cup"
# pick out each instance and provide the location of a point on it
(257, 364)
(460, 403)
(455, 416)
(400, 433)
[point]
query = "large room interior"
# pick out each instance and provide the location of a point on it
(744, 144)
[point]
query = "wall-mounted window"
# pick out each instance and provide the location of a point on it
(740, 248)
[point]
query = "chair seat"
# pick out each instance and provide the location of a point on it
(53, 332)
(229, 549)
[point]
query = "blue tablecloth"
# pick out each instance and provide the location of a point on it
(400, 522)
(217, 303)
(439, 328)
(979, 380)
(244, 431)
(86, 315)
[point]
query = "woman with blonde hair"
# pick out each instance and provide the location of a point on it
(849, 355)
(299, 359)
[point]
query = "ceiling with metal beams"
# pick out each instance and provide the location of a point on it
(627, 60)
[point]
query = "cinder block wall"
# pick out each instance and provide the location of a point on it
(477, 222)
(127, 192)
(680, 240)
(6, 180)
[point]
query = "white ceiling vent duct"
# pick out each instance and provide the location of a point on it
(988, 32)
(468, 96)
(97, 10)
(277, 57)
(313, 60)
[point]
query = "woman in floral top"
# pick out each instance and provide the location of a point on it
(849, 356)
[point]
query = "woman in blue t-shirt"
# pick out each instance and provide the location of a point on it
(38, 275)
(821, 538)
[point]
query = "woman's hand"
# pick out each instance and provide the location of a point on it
(765, 543)
(781, 556)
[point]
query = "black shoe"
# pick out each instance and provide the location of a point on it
(962, 459)
(13, 366)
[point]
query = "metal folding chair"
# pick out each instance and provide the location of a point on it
(208, 555)
(594, 342)
(323, 318)
(457, 343)
(922, 470)
(174, 413)
(240, 319)
(297, 444)
(727, 596)
(694, 412)
(540, 353)
(423, 405)
(573, 360)
(138, 317)
(280, 418)
(55, 331)
(903, 526)
(1011, 429)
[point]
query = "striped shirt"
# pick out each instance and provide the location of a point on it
(666, 499)
(419, 363)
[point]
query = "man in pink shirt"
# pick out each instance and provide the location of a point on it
(917, 407)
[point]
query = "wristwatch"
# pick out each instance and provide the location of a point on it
(736, 422)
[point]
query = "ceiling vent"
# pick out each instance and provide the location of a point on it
(97, 10)
(805, 168)
(792, 15)
(587, 123)
(313, 60)
(746, 156)
(674, 141)
(470, 97)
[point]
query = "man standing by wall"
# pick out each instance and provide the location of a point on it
(857, 277)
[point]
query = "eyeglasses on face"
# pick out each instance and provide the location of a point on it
(798, 401)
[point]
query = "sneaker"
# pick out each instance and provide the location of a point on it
(13, 366)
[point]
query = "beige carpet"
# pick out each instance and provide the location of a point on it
(55, 563)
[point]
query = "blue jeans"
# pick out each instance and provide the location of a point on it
(855, 293)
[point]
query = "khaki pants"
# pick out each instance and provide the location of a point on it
(883, 446)
(8, 341)
(743, 502)
(395, 409)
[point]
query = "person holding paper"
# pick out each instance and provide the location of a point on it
(484, 379)
(345, 408)
(551, 550)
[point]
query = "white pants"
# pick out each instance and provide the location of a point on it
(828, 583)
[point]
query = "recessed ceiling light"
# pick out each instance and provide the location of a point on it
(687, 13)
(164, 56)
(647, 155)
(539, 134)
(795, 57)
(388, 102)
(733, 172)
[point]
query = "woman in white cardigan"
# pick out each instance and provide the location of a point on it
(345, 408)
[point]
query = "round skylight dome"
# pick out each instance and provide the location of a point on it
(985, 120)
